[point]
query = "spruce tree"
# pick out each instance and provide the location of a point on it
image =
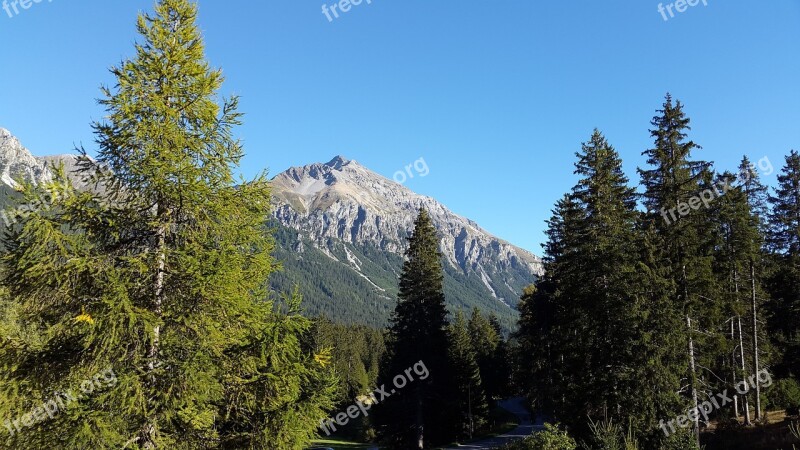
(498, 379)
(583, 331)
(756, 231)
(418, 416)
(740, 215)
(542, 369)
(468, 393)
(484, 340)
(159, 275)
(784, 242)
(670, 186)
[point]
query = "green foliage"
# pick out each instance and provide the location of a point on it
(682, 440)
(785, 394)
(467, 388)
(418, 332)
(784, 241)
(356, 352)
(491, 353)
(587, 343)
(162, 277)
(551, 438)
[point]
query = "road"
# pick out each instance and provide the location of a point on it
(525, 428)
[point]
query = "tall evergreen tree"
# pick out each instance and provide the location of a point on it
(485, 340)
(671, 186)
(416, 416)
(468, 392)
(757, 197)
(740, 215)
(784, 241)
(162, 277)
(498, 378)
(583, 333)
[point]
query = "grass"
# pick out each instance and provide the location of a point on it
(501, 422)
(341, 445)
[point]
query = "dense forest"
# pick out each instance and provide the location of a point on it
(676, 301)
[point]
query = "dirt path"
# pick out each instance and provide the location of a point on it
(525, 428)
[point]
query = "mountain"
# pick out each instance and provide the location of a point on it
(341, 231)
(359, 221)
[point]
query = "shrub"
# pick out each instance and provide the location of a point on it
(785, 394)
(551, 438)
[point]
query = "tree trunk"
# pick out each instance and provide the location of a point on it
(149, 431)
(756, 367)
(745, 402)
(420, 424)
(692, 368)
(693, 379)
(733, 371)
(742, 365)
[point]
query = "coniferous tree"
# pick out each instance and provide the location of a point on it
(418, 415)
(757, 198)
(160, 276)
(468, 393)
(484, 340)
(740, 215)
(672, 191)
(498, 377)
(543, 370)
(784, 242)
(583, 331)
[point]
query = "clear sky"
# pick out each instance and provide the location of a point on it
(495, 96)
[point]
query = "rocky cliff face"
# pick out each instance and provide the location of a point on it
(344, 201)
(17, 164)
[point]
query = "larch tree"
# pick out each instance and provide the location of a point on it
(160, 274)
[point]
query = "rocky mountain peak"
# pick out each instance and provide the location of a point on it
(17, 163)
(342, 201)
(338, 162)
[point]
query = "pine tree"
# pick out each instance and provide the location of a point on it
(468, 393)
(160, 277)
(415, 417)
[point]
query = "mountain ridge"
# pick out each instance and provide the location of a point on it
(341, 231)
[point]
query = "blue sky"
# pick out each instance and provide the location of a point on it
(495, 96)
